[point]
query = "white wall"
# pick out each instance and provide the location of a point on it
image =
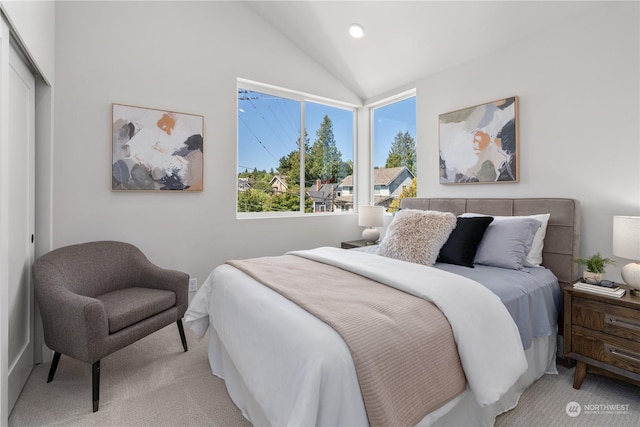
(578, 89)
(579, 123)
(182, 57)
(34, 25)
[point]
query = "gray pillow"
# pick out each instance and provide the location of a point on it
(506, 243)
(534, 257)
(417, 235)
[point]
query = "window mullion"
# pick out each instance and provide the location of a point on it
(301, 147)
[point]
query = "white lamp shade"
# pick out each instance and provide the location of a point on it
(626, 237)
(371, 216)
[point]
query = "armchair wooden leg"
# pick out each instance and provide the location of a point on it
(182, 337)
(96, 385)
(54, 366)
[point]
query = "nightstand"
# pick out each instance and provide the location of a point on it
(602, 334)
(354, 244)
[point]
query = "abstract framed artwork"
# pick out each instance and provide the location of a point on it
(480, 144)
(156, 150)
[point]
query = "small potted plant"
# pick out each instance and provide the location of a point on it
(595, 266)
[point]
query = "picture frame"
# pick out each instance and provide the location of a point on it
(479, 144)
(156, 150)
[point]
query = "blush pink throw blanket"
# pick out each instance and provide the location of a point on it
(402, 346)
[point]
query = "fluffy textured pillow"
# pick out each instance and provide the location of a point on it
(534, 257)
(416, 235)
(462, 245)
(506, 243)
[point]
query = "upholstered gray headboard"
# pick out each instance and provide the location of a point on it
(561, 243)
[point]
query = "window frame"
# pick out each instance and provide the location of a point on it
(303, 98)
(402, 96)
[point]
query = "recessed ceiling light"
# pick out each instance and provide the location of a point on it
(356, 31)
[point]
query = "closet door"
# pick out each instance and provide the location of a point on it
(19, 146)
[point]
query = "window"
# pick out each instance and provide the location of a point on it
(393, 127)
(282, 169)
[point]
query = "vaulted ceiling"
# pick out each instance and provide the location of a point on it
(408, 40)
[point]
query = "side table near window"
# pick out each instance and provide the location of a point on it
(602, 333)
(354, 244)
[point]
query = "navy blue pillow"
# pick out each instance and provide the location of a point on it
(462, 245)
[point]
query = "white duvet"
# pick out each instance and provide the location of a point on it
(299, 370)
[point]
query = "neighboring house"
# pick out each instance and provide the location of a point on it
(278, 184)
(387, 183)
(391, 181)
(244, 184)
(324, 197)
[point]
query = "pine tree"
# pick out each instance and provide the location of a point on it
(402, 152)
(290, 164)
(324, 159)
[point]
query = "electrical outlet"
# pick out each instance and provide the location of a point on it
(193, 284)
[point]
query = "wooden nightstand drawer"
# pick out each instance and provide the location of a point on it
(615, 351)
(608, 318)
(602, 334)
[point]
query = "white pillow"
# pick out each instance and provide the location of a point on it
(534, 257)
(417, 236)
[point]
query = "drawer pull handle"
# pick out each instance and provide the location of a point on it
(624, 323)
(622, 353)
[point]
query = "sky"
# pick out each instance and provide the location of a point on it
(269, 126)
(388, 120)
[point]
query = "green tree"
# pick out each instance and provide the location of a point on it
(402, 152)
(259, 179)
(324, 159)
(290, 164)
(253, 200)
(410, 191)
(290, 201)
(308, 204)
(346, 168)
(262, 184)
(283, 202)
(286, 163)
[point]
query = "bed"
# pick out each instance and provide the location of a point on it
(282, 365)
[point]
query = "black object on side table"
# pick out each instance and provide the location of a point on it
(355, 244)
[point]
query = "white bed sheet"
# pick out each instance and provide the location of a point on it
(461, 411)
(309, 360)
(338, 401)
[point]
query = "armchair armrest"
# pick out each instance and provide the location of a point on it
(152, 276)
(74, 325)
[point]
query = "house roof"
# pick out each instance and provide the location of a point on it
(281, 179)
(381, 176)
(385, 176)
(323, 193)
(244, 183)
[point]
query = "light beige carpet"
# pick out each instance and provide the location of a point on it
(602, 402)
(154, 383)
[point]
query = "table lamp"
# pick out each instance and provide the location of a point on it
(626, 244)
(371, 216)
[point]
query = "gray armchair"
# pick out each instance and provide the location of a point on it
(96, 298)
